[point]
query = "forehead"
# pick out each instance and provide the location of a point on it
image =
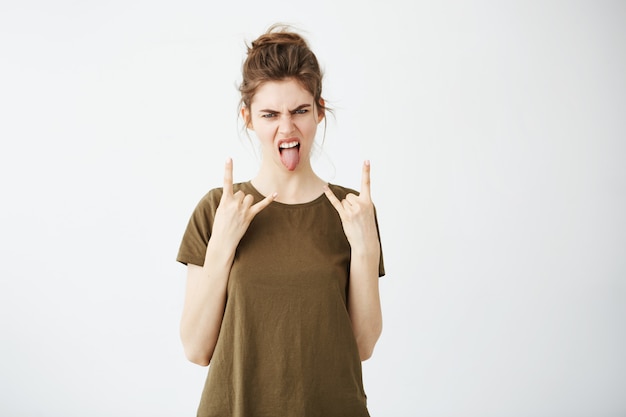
(279, 94)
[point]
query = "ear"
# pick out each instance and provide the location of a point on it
(320, 110)
(245, 115)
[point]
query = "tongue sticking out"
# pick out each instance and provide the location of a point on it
(290, 157)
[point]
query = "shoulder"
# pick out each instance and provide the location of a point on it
(212, 197)
(340, 191)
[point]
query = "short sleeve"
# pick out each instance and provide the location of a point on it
(381, 265)
(193, 246)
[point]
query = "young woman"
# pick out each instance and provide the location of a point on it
(282, 291)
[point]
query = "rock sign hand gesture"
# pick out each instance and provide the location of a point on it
(235, 211)
(357, 214)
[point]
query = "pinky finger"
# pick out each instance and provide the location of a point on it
(263, 203)
(333, 199)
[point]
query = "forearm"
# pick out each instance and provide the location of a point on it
(205, 299)
(364, 299)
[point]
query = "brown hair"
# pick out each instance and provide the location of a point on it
(279, 54)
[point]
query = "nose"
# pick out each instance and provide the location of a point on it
(286, 125)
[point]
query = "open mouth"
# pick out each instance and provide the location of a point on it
(290, 154)
(289, 145)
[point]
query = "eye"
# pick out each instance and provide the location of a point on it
(268, 115)
(301, 111)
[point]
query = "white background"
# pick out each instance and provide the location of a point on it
(496, 132)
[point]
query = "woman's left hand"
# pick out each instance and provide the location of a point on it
(357, 214)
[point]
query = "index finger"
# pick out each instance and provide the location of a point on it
(365, 180)
(228, 177)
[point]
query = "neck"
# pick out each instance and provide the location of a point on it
(292, 187)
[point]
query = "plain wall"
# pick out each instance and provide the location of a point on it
(496, 133)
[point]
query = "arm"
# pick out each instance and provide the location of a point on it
(364, 299)
(205, 293)
(205, 299)
(358, 220)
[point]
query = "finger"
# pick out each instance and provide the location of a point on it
(333, 199)
(255, 209)
(351, 199)
(228, 177)
(247, 200)
(365, 180)
(239, 196)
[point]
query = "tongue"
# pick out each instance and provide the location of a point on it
(290, 158)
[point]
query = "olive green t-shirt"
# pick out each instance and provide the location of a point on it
(286, 346)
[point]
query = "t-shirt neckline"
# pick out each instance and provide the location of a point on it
(317, 200)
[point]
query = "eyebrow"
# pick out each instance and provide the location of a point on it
(302, 106)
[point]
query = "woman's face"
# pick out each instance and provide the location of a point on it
(284, 117)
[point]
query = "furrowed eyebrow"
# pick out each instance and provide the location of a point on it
(300, 107)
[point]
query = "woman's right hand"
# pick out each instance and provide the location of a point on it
(205, 293)
(235, 211)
